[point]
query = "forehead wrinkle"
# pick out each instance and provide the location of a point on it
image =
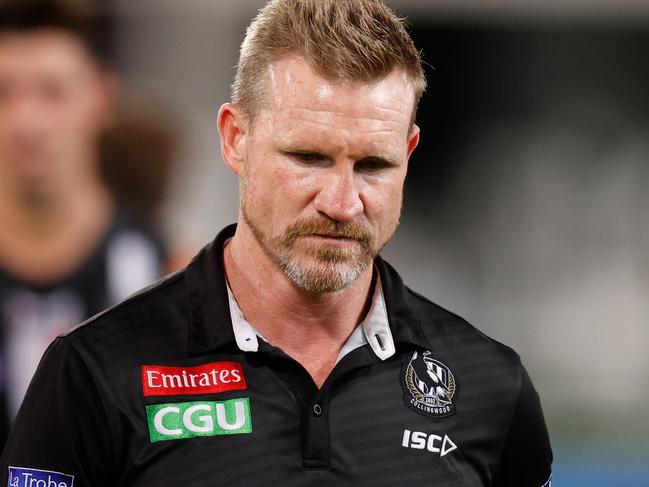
(340, 121)
(328, 126)
(328, 113)
(344, 104)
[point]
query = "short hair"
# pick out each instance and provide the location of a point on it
(76, 17)
(342, 40)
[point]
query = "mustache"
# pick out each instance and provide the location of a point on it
(328, 228)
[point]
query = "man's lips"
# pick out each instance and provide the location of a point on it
(331, 239)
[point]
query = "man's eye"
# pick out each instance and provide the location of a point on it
(371, 165)
(368, 165)
(306, 157)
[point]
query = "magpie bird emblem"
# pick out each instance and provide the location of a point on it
(429, 385)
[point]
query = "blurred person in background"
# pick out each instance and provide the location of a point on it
(67, 248)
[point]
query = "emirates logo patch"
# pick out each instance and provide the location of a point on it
(161, 380)
(428, 385)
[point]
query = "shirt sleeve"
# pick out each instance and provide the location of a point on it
(526, 460)
(62, 428)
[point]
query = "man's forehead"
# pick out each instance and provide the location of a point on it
(295, 85)
(45, 49)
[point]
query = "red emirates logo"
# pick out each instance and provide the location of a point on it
(159, 380)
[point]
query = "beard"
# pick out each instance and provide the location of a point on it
(314, 266)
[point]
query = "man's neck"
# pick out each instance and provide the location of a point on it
(50, 231)
(311, 328)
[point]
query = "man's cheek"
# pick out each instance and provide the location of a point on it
(280, 177)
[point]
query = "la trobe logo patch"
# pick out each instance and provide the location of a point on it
(428, 385)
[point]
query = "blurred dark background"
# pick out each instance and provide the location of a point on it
(529, 186)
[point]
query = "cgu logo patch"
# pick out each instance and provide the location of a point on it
(31, 477)
(176, 421)
(429, 386)
(159, 380)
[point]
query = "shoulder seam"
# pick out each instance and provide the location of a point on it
(492, 341)
(158, 285)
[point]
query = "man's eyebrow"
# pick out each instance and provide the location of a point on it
(301, 145)
(381, 159)
(301, 149)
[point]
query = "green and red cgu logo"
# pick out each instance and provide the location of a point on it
(175, 421)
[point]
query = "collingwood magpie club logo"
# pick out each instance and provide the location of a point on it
(429, 386)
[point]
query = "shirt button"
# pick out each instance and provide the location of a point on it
(317, 409)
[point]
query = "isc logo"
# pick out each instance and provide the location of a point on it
(423, 441)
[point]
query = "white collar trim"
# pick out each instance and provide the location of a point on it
(375, 328)
(244, 333)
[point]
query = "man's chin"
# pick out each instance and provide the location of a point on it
(322, 277)
(318, 285)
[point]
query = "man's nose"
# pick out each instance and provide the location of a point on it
(339, 197)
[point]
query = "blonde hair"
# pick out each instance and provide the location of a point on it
(342, 40)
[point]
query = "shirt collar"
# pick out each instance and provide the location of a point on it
(374, 329)
(210, 326)
(245, 334)
(210, 318)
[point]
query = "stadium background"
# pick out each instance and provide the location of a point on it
(526, 208)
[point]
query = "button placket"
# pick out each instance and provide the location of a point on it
(316, 435)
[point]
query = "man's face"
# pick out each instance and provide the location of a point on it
(323, 175)
(52, 106)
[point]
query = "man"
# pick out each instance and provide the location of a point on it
(288, 352)
(65, 251)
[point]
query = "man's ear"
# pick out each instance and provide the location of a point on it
(413, 139)
(233, 130)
